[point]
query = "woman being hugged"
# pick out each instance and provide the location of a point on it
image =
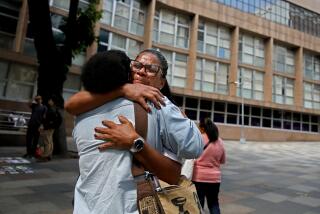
(206, 172)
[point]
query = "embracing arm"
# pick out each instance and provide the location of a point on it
(181, 134)
(121, 136)
(163, 167)
(84, 101)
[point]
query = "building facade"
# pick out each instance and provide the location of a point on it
(252, 66)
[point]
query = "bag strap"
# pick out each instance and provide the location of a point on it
(145, 189)
(141, 126)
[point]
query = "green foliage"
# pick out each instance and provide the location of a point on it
(83, 32)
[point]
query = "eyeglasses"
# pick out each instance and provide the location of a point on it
(151, 69)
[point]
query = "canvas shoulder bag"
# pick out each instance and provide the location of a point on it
(156, 196)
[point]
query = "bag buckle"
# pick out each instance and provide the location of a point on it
(151, 177)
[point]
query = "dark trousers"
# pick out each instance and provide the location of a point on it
(210, 191)
(32, 139)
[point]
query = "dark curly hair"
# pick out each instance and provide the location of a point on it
(105, 71)
(210, 129)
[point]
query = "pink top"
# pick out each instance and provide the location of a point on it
(207, 166)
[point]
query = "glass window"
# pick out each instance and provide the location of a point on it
(218, 117)
(103, 40)
(179, 71)
(109, 41)
(251, 50)
(281, 12)
(211, 76)
(230, 113)
(214, 39)
(137, 23)
(219, 106)
(134, 48)
(126, 15)
(21, 82)
(62, 4)
(177, 68)
(283, 59)
(266, 123)
(191, 114)
(9, 15)
(206, 104)
(107, 11)
(178, 100)
(121, 19)
(171, 28)
(191, 102)
(311, 67)
(118, 42)
(311, 95)
(205, 114)
(251, 84)
(282, 90)
(232, 108)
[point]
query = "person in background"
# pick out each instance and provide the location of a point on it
(37, 114)
(206, 171)
(51, 121)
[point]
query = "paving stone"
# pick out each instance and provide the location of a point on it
(235, 208)
(310, 212)
(18, 191)
(272, 197)
(303, 188)
(227, 197)
(264, 207)
(58, 199)
(305, 200)
(35, 208)
(8, 201)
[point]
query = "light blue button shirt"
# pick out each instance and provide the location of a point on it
(105, 184)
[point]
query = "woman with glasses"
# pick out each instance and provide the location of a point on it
(179, 138)
(149, 71)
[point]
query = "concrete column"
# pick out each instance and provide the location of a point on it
(92, 49)
(21, 27)
(192, 59)
(148, 28)
(298, 83)
(234, 49)
(268, 76)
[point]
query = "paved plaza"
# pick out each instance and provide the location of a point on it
(273, 178)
